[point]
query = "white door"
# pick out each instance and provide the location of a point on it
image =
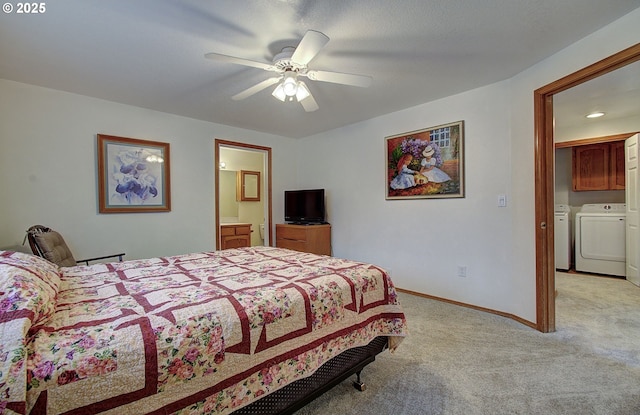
(632, 196)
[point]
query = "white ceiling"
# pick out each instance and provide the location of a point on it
(150, 53)
(616, 93)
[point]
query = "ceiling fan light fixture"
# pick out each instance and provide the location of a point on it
(290, 84)
(279, 93)
(290, 63)
(303, 92)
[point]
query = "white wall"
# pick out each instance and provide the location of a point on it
(48, 172)
(423, 241)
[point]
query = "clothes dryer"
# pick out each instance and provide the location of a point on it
(600, 239)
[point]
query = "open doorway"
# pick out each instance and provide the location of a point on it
(544, 177)
(256, 172)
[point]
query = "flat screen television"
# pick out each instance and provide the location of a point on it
(304, 206)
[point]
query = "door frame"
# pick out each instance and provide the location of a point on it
(233, 144)
(544, 177)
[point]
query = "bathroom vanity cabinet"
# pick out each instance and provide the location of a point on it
(235, 235)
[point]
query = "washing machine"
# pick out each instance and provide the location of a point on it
(562, 237)
(600, 238)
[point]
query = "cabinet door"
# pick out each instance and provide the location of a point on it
(591, 167)
(239, 241)
(617, 178)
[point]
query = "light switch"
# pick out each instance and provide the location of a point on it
(502, 200)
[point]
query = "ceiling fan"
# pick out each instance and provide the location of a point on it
(290, 65)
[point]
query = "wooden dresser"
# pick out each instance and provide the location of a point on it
(235, 235)
(315, 239)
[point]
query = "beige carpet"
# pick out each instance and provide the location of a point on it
(461, 361)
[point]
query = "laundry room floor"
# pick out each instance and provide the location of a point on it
(602, 311)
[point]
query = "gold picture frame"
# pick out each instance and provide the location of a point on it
(426, 164)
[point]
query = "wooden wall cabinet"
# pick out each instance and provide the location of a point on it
(248, 186)
(314, 239)
(618, 170)
(236, 235)
(599, 166)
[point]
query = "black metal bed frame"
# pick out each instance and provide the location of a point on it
(294, 396)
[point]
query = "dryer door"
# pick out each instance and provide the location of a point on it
(603, 237)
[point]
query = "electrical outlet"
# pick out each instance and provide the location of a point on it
(462, 270)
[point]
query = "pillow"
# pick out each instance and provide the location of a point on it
(42, 268)
(54, 248)
(28, 285)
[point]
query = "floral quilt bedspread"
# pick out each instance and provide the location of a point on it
(190, 334)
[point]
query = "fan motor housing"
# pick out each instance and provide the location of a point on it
(282, 61)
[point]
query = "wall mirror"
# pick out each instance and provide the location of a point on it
(248, 186)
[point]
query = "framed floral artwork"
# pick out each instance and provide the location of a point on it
(426, 164)
(133, 175)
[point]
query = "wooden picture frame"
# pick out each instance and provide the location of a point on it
(133, 175)
(426, 164)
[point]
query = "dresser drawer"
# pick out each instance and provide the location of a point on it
(227, 230)
(298, 233)
(292, 244)
(243, 230)
(230, 230)
(315, 239)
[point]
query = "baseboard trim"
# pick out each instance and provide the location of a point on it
(474, 307)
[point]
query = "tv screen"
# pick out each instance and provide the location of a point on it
(304, 206)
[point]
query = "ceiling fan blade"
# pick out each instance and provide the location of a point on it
(309, 47)
(340, 78)
(255, 89)
(239, 61)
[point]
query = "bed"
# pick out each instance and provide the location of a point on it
(232, 331)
